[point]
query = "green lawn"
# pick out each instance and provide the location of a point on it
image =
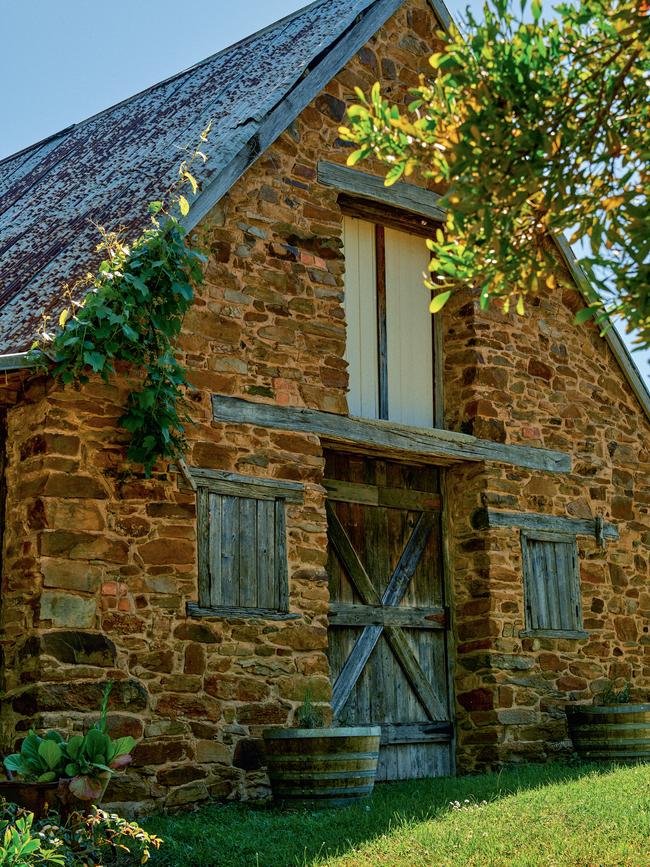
(549, 815)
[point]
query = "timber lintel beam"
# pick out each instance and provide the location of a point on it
(385, 437)
(407, 197)
(484, 519)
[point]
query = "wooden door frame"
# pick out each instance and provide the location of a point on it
(446, 576)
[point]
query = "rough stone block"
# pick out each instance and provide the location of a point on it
(64, 609)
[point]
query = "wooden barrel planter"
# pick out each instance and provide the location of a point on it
(38, 798)
(618, 732)
(326, 767)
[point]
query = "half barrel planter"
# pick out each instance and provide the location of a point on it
(619, 732)
(326, 767)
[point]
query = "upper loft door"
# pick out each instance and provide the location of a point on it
(390, 330)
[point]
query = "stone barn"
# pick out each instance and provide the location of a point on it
(441, 526)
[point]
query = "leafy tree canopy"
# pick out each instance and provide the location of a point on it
(534, 126)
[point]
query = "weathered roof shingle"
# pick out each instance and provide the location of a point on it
(107, 168)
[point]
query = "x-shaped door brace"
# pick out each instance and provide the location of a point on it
(393, 595)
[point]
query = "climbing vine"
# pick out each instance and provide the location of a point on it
(131, 311)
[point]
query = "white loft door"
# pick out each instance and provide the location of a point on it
(409, 330)
(361, 317)
(409, 345)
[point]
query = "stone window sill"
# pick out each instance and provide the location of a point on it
(196, 610)
(576, 634)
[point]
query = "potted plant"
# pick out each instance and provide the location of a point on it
(317, 766)
(615, 729)
(72, 774)
(38, 767)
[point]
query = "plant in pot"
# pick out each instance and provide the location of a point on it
(318, 766)
(64, 775)
(615, 729)
(38, 767)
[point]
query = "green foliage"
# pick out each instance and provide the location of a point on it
(100, 838)
(308, 716)
(21, 845)
(534, 128)
(40, 760)
(131, 311)
(87, 761)
(613, 696)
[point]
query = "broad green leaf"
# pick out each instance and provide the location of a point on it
(50, 752)
(439, 301)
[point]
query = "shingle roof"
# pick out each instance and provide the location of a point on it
(107, 168)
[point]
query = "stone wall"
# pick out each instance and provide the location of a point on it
(99, 562)
(546, 382)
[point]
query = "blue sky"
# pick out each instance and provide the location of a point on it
(63, 61)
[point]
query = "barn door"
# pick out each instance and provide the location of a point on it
(387, 636)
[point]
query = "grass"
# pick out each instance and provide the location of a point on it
(569, 816)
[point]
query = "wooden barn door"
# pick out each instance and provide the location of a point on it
(387, 636)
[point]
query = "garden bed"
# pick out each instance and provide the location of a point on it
(552, 814)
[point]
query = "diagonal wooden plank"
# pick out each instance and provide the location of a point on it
(413, 671)
(354, 665)
(350, 559)
(399, 581)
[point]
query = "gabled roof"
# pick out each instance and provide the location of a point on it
(106, 169)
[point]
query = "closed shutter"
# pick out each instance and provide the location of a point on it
(409, 330)
(551, 582)
(242, 542)
(361, 317)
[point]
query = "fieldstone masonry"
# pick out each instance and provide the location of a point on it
(99, 562)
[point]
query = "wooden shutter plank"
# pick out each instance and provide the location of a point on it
(265, 554)
(203, 546)
(214, 508)
(248, 553)
(563, 572)
(552, 585)
(281, 590)
(382, 335)
(230, 550)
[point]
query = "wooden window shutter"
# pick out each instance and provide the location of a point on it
(551, 584)
(242, 543)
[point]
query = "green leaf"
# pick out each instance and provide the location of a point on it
(96, 360)
(74, 745)
(184, 205)
(536, 8)
(50, 752)
(439, 301)
(584, 315)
